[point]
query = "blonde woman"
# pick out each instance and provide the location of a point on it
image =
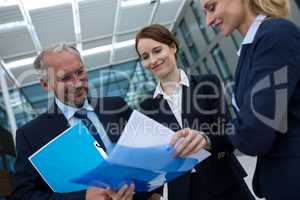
(267, 91)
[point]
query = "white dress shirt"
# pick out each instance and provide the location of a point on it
(69, 112)
(175, 99)
(250, 35)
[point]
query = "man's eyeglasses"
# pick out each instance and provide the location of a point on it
(71, 76)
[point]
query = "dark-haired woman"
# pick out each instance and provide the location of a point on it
(184, 102)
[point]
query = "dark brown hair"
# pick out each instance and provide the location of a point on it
(158, 33)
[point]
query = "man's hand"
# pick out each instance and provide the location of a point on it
(125, 193)
(191, 142)
(97, 194)
(155, 196)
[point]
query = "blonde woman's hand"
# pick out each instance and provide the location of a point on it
(188, 142)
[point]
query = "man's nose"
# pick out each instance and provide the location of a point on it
(76, 80)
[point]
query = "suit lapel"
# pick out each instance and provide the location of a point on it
(60, 123)
(192, 105)
(242, 74)
(186, 106)
(188, 103)
(104, 118)
(57, 122)
(165, 114)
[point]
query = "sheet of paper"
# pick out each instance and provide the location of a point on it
(142, 131)
(145, 144)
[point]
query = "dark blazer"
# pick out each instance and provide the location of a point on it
(28, 184)
(267, 93)
(218, 177)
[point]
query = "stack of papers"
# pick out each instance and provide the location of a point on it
(143, 156)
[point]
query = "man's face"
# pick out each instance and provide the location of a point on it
(67, 78)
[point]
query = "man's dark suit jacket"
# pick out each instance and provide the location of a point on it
(220, 176)
(272, 65)
(28, 184)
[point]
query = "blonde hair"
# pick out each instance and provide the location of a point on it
(271, 8)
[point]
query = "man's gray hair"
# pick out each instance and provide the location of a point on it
(42, 67)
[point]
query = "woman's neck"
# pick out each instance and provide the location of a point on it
(170, 82)
(245, 25)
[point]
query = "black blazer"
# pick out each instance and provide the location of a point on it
(201, 108)
(267, 93)
(28, 184)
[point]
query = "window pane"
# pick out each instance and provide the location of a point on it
(221, 63)
(207, 32)
(189, 40)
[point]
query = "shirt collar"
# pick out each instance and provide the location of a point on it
(183, 81)
(249, 38)
(69, 111)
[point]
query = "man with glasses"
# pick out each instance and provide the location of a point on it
(64, 74)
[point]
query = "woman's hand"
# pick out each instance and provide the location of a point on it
(188, 142)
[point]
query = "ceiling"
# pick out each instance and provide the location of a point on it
(103, 30)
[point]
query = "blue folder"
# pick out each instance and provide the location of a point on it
(156, 158)
(72, 153)
(73, 161)
(115, 176)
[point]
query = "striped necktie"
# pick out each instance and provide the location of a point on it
(82, 115)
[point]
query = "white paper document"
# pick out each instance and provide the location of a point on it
(145, 143)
